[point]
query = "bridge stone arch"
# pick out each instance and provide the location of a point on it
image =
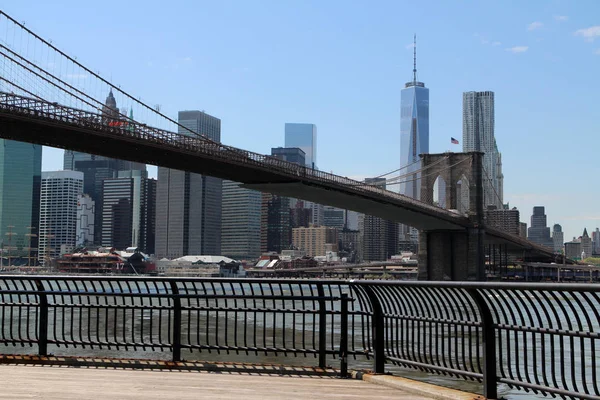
(453, 255)
(451, 167)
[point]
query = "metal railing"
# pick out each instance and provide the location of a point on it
(53, 112)
(535, 337)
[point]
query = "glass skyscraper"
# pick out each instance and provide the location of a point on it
(20, 182)
(414, 133)
(303, 136)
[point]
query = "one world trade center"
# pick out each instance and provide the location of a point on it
(414, 132)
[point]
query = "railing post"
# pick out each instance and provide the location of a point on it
(377, 329)
(322, 327)
(344, 336)
(490, 377)
(43, 320)
(176, 322)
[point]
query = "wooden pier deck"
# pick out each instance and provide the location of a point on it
(54, 382)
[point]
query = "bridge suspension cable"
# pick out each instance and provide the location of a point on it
(65, 69)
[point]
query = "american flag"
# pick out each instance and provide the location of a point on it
(453, 141)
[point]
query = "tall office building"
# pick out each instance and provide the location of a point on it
(379, 236)
(303, 136)
(414, 131)
(128, 211)
(97, 168)
(596, 242)
(316, 240)
(558, 238)
(334, 217)
(60, 191)
(478, 135)
(20, 181)
(240, 231)
(504, 219)
(188, 205)
(539, 232)
(85, 220)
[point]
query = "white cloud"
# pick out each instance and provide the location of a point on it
(590, 33)
(496, 43)
(561, 18)
(77, 76)
(518, 49)
(410, 46)
(187, 59)
(534, 25)
(597, 52)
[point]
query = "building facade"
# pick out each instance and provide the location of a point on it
(188, 205)
(304, 137)
(379, 237)
(240, 231)
(334, 217)
(316, 240)
(128, 211)
(596, 242)
(86, 209)
(276, 227)
(60, 192)
(539, 232)
(479, 135)
(20, 182)
(503, 219)
(558, 238)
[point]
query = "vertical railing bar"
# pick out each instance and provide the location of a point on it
(490, 378)
(43, 319)
(344, 336)
(322, 326)
(176, 343)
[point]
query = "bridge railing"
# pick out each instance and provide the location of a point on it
(535, 337)
(36, 108)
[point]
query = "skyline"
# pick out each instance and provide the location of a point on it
(249, 67)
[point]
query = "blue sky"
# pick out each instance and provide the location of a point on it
(341, 65)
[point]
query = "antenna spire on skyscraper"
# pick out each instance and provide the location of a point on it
(415, 59)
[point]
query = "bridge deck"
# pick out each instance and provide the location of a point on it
(64, 383)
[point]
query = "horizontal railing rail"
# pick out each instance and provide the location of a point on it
(535, 337)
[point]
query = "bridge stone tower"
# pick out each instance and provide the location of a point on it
(448, 254)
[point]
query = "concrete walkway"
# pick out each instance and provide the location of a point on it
(65, 383)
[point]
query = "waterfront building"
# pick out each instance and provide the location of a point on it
(478, 135)
(189, 206)
(97, 168)
(539, 232)
(379, 236)
(240, 231)
(20, 182)
(349, 244)
(558, 238)
(586, 244)
(128, 211)
(59, 193)
(503, 219)
(84, 231)
(315, 240)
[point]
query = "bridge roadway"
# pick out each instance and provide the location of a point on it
(60, 383)
(50, 124)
